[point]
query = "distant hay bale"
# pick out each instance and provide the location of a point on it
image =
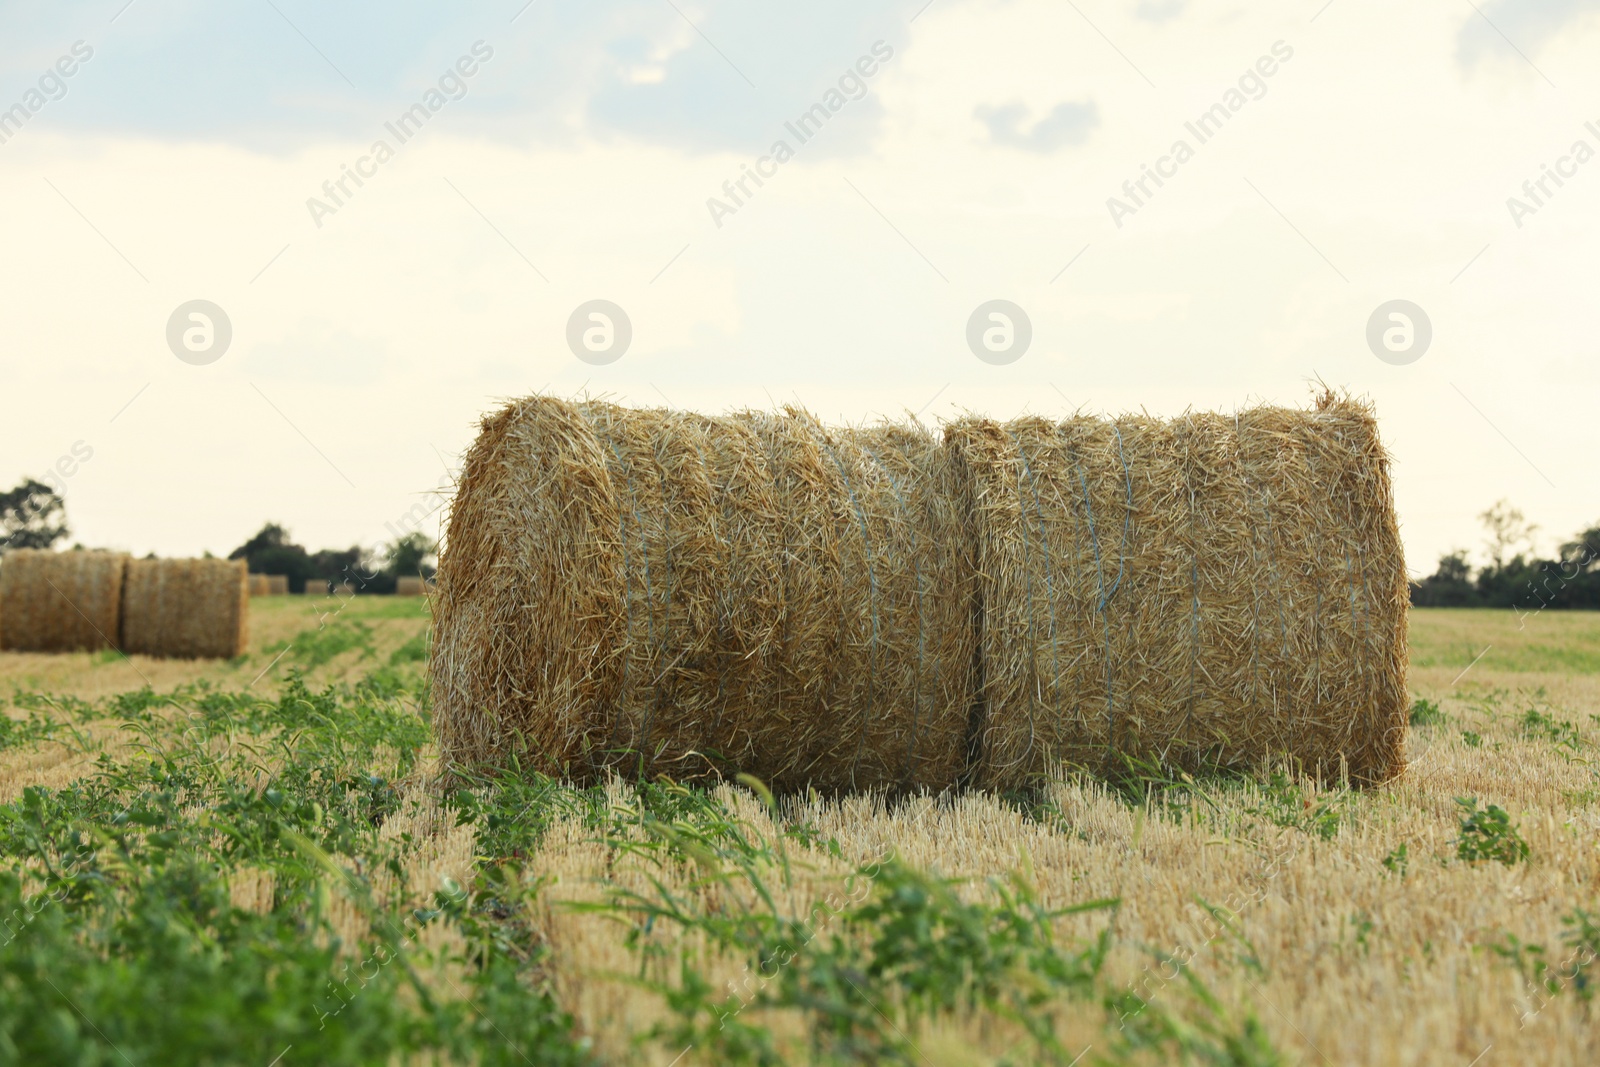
(60, 601)
(277, 584)
(316, 587)
(1205, 590)
(185, 608)
(410, 585)
(259, 585)
(669, 594)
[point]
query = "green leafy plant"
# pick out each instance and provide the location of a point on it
(118, 889)
(1284, 803)
(1426, 713)
(1398, 860)
(1488, 834)
(1582, 936)
(1543, 725)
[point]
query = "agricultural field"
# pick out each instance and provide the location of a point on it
(256, 861)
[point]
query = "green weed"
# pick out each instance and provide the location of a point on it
(1426, 713)
(1488, 835)
(1283, 803)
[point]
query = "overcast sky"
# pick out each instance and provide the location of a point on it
(1357, 152)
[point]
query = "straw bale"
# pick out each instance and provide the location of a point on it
(876, 649)
(409, 585)
(277, 585)
(185, 608)
(1206, 590)
(664, 593)
(531, 609)
(906, 666)
(315, 587)
(783, 598)
(59, 601)
(259, 586)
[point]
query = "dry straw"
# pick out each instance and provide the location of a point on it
(1207, 590)
(277, 584)
(185, 608)
(877, 640)
(60, 601)
(687, 595)
(259, 585)
(850, 608)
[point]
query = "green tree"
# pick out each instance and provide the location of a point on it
(1508, 530)
(414, 553)
(32, 515)
(271, 551)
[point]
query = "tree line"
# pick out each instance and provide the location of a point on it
(33, 515)
(1515, 576)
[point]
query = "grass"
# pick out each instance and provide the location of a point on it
(258, 862)
(1548, 642)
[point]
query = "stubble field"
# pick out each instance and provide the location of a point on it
(257, 862)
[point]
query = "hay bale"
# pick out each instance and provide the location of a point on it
(259, 585)
(530, 613)
(410, 585)
(664, 593)
(277, 585)
(1206, 590)
(757, 594)
(60, 601)
(185, 608)
(315, 587)
(875, 674)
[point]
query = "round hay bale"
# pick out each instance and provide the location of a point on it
(409, 585)
(185, 608)
(60, 601)
(672, 568)
(259, 585)
(1206, 590)
(924, 587)
(878, 649)
(747, 608)
(764, 595)
(277, 585)
(799, 709)
(530, 613)
(663, 593)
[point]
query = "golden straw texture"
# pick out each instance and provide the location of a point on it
(185, 608)
(1207, 590)
(59, 601)
(845, 608)
(530, 609)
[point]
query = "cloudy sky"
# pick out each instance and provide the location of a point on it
(559, 152)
